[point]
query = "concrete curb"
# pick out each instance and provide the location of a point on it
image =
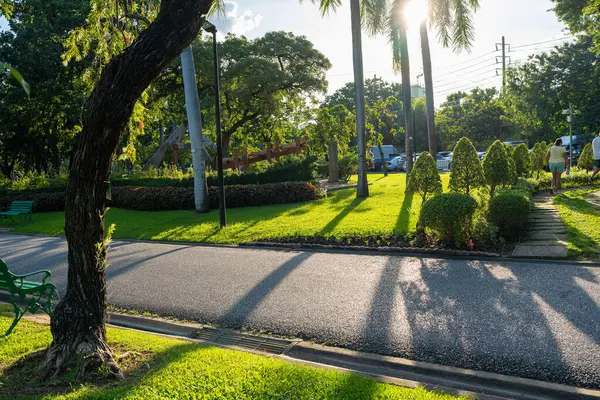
(403, 251)
(399, 371)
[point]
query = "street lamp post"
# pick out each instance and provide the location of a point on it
(210, 28)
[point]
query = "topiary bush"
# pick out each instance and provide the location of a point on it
(522, 160)
(450, 217)
(586, 159)
(466, 170)
(496, 166)
(425, 177)
(538, 158)
(509, 211)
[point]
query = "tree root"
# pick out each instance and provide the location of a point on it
(83, 355)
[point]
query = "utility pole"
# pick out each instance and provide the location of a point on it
(569, 112)
(502, 59)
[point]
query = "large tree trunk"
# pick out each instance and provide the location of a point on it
(192, 105)
(406, 89)
(428, 75)
(362, 190)
(383, 163)
(78, 322)
(334, 170)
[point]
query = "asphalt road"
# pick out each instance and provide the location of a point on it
(531, 320)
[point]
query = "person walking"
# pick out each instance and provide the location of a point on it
(596, 148)
(557, 163)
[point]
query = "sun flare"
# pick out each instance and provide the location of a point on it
(416, 11)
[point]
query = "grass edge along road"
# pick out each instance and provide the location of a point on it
(159, 368)
(387, 211)
(583, 223)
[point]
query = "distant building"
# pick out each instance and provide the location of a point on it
(417, 92)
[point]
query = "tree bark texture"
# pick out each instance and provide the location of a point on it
(78, 322)
(383, 163)
(428, 75)
(362, 190)
(334, 171)
(406, 89)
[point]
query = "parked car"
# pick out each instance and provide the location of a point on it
(443, 163)
(389, 152)
(481, 154)
(397, 164)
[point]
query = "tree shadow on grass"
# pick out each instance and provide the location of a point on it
(577, 205)
(581, 244)
(403, 222)
(331, 225)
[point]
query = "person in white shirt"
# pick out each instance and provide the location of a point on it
(596, 147)
(557, 163)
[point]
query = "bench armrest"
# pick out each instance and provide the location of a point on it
(46, 274)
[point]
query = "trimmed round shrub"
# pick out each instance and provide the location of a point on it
(425, 177)
(466, 171)
(449, 216)
(496, 166)
(522, 160)
(509, 211)
(586, 159)
(538, 158)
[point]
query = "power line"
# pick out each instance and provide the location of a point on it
(545, 41)
(469, 77)
(462, 69)
(471, 85)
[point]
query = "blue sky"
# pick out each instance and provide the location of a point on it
(523, 22)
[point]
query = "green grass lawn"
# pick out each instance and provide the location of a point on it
(387, 211)
(583, 223)
(161, 368)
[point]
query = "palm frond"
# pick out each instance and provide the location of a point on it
(375, 16)
(326, 6)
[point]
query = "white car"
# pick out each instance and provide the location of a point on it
(397, 164)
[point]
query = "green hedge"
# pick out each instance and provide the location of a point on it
(292, 169)
(179, 198)
(509, 211)
(449, 216)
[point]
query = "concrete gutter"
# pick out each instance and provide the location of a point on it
(394, 370)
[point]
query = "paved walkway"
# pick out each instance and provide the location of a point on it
(546, 236)
(530, 319)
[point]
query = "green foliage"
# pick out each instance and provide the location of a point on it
(450, 217)
(509, 210)
(16, 75)
(538, 158)
(575, 179)
(425, 177)
(479, 115)
(496, 166)
(348, 165)
(335, 123)
(522, 160)
(512, 177)
(586, 159)
(466, 170)
(182, 198)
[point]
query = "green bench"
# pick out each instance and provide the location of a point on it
(19, 208)
(34, 295)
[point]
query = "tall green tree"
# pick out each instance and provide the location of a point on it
(538, 158)
(37, 131)
(362, 190)
(522, 160)
(78, 324)
(453, 21)
(425, 177)
(381, 121)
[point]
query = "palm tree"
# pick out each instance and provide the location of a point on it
(325, 6)
(453, 20)
(192, 104)
(454, 23)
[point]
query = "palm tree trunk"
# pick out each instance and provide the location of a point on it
(78, 324)
(428, 75)
(406, 89)
(192, 105)
(362, 191)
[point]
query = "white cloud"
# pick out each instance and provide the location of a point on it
(236, 23)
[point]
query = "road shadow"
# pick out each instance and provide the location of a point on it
(240, 311)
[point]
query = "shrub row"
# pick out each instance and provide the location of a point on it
(509, 211)
(179, 198)
(288, 170)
